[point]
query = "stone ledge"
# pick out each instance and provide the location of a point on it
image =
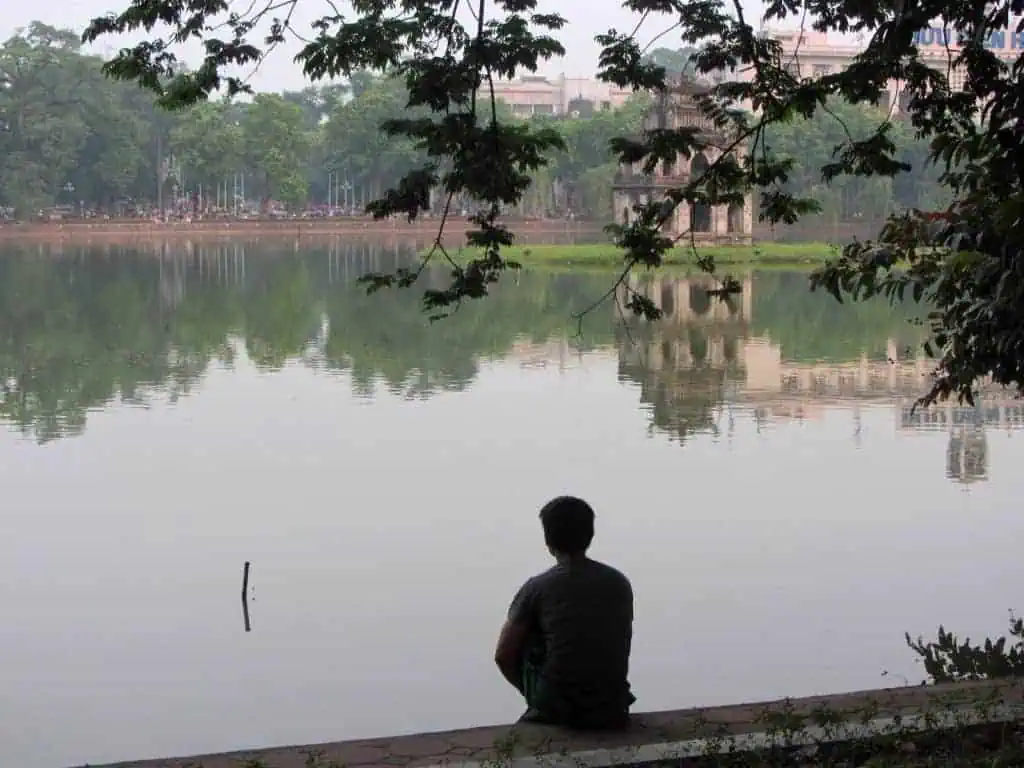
(653, 736)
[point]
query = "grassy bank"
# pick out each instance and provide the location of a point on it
(605, 255)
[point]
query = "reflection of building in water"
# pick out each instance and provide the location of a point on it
(685, 363)
(760, 375)
(556, 352)
(680, 383)
(1004, 413)
(967, 453)
(688, 300)
(700, 357)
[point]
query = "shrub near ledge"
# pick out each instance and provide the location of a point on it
(608, 256)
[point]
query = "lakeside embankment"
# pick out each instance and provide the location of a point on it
(146, 229)
(964, 724)
(545, 243)
(606, 255)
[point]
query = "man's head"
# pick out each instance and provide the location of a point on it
(568, 525)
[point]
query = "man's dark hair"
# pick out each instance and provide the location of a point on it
(568, 525)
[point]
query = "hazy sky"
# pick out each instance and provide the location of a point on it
(587, 18)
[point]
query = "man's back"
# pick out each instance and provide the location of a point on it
(580, 614)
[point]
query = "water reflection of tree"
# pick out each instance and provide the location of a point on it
(812, 327)
(281, 312)
(92, 326)
(74, 339)
(679, 381)
(385, 337)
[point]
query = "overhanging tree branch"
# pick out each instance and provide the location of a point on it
(967, 269)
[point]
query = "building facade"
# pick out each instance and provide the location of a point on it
(562, 96)
(809, 53)
(674, 109)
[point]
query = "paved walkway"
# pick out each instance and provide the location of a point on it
(656, 735)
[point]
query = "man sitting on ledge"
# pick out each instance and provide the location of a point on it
(565, 645)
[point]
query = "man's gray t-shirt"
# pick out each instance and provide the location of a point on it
(581, 613)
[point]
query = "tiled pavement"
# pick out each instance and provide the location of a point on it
(495, 746)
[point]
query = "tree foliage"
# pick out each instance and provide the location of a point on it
(678, 61)
(810, 143)
(275, 145)
(210, 144)
(49, 142)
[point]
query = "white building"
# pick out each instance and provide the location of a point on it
(808, 53)
(535, 95)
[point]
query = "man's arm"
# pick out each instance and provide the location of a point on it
(509, 653)
(513, 636)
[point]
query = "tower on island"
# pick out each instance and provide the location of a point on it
(676, 107)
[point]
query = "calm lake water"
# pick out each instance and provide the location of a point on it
(171, 414)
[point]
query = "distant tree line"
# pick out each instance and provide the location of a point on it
(73, 141)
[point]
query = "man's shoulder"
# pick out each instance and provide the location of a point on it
(611, 573)
(594, 572)
(537, 582)
(559, 573)
(545, 577)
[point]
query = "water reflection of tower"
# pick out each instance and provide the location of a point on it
(688, 362)
(686, 300)
(701, 354)
(171, 277)
(967, 450)
(967, 453)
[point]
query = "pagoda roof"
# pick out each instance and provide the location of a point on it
(684, 85)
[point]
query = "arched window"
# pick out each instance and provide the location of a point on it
(734, 220)
(700, 214)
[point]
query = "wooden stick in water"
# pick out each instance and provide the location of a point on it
(245, 596)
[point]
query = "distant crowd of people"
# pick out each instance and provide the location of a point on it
(187, 213)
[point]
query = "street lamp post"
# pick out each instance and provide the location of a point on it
(237, 192)
(69, 188)
(347, 188)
